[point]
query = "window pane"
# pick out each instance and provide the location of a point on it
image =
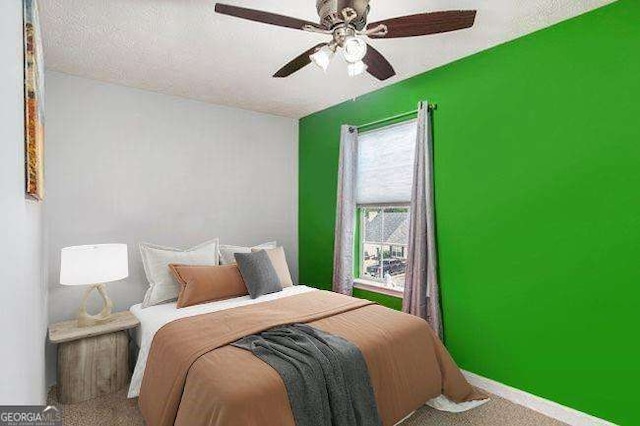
(372, 225)
(395, 240)
(371, 261)
(371, 247)
(396, 226)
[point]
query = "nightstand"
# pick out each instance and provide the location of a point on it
(92, 361)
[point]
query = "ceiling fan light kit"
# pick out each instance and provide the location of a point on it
(356, 68)
(347, 22)
(322, 57)
(355, 49)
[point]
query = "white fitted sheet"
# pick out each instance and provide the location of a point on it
(154, 317)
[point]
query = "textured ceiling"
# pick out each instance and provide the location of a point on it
(183, 48)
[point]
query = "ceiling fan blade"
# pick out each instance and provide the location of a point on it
(377, 65)
(298, 63)
(427, 23)
(264, 17)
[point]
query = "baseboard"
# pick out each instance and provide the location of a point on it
(541, 405)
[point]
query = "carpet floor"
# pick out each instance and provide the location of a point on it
(117, 410)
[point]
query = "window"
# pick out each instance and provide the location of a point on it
(384, 233)
(384, 181)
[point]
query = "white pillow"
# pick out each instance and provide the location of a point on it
(227, 252)
(156, 259)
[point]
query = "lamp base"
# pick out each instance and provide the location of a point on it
(87, 320)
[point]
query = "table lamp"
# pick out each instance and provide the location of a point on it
(94, 265)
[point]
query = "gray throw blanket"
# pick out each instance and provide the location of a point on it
(326, 376)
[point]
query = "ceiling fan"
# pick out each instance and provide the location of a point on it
(346, 22)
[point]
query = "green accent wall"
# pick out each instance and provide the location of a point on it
(537, 158)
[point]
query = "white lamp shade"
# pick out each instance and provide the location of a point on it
(322, 57)
(95, 264)
(356, 68)
(355, 49)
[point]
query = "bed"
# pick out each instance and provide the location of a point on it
(155, 317)
(187, 372)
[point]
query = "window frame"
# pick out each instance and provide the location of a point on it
(358, 249)
(367, 283)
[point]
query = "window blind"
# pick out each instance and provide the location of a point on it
(385, 164)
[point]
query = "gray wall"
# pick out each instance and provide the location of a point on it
(127, 165)
(22, 289)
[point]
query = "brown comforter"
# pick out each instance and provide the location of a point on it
(193, 377)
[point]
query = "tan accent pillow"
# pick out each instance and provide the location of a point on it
(202, 284)
(279, 262)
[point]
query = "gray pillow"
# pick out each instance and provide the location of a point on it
(258, 273)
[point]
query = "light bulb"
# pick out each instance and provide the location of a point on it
(322, 57)
(356, 68)
(355, 49)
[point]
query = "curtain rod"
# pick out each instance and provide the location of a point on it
(432, 107)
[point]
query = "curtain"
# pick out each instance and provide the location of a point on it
(345, 212)
(422, 292)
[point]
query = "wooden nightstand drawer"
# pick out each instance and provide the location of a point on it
(92, 361)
